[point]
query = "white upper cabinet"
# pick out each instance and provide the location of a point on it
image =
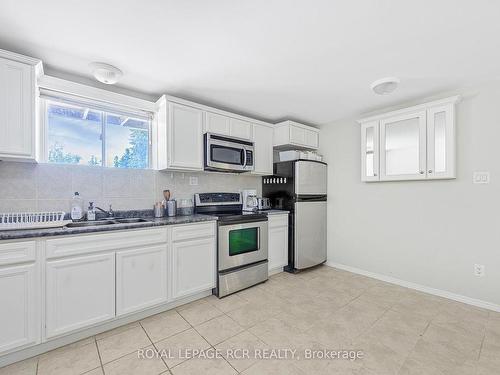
(263, 143)
(226, 125)
(179, 129)
(18, 107)
(441, 141)
(180, 136)
(410, 144)
(216, 123)
(240, 129)
(370, 151)
(292, 135)
(402, 147)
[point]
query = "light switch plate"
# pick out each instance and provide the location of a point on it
(481, 177)
(193, 180)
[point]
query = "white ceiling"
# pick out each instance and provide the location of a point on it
(306, 60)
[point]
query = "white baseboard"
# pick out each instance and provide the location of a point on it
(421, 288)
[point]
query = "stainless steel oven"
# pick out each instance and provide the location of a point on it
(242, 253)
(242, 243)
(223, 153)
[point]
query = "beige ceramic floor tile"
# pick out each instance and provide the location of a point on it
(116, 346)
(161, 326)
(455, 339)
(274, 367)
(117, 330)
(199, 313)
(218, 329)
(228, 303)
(26, 367)
(251, 315)
(176, 347)
(402, 331)
(69, 360)
(378, 358)
(205, 367)
(428, 358)
(132, 364)
(419, 303)
(241, 351)
(97, 371)
(275, 332)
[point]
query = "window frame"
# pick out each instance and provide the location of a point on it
(108, 109)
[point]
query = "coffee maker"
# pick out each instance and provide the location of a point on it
(249, 198)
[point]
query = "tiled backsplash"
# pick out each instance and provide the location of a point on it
(48, 187)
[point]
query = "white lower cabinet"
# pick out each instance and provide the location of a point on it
(19, 306)
(278, 241)
(193, 266)
(80, 292)
(92, 279)
(141, 278)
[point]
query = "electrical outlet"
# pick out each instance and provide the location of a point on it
(479, 270)
(481, 177)
(193, 180)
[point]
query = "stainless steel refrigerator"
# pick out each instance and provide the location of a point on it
(300, 186)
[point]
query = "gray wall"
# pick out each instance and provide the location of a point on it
(41, 187)
(426, 232)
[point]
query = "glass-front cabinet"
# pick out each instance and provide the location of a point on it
(370, 151)
(441, 142)
(402, 147)
(411, 144)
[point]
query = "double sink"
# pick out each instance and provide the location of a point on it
(108, 221)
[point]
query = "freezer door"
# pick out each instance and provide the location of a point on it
(310, 178)
(310, 234)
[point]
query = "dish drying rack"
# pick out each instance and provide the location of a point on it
(32, 220)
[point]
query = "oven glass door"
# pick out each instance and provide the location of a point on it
(243, 241)
(242, 244)
(227, 155)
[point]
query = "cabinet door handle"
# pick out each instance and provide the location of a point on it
(421, 172)
(375, 174)
(430, 170)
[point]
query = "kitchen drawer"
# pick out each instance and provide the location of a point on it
(17, 252)
(189, 231)
(86, 244)
(278, 220)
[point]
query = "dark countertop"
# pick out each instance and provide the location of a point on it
(146, 214)
(61, 231)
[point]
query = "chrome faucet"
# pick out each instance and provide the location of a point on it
(110, 213)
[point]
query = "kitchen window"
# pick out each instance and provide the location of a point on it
(90, 133)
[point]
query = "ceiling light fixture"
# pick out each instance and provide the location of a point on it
(385, 86)
(106, 73)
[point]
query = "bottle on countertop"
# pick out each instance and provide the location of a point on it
(76, 207)
(91, 212)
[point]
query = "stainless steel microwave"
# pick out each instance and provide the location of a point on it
(228, 154)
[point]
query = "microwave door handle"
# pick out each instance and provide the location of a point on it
(244, 157)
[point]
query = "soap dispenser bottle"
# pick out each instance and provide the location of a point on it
(91, 212)
(76, 207)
